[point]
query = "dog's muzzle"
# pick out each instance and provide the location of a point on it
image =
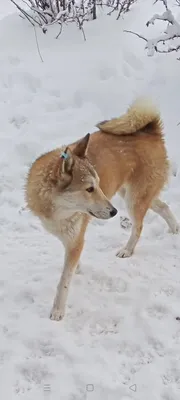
(104, 214)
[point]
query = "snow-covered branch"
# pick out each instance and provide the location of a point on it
(49, 12)
(172, 31)
(163, 42)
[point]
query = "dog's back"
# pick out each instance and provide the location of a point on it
(130, 150)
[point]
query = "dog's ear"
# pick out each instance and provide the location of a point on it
(67, 161)
(64, 166)
(81, 148)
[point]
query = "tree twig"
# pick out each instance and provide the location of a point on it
(38, 45)
(136, 34)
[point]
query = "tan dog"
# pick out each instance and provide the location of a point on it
(67, 186)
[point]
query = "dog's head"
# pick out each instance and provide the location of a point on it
(77, 183)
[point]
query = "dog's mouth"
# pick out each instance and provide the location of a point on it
(91, 213)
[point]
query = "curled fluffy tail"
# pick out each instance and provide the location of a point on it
(141, 115)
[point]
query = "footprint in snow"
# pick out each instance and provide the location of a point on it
(18, 121)
(157, 346)
(110, 284)
(171, 377)
(24, 298)
(125, 223)
(34, 372)
(44, 348)
(14, 60)
(107, 73)
(5, 355)
(157, 311)
(126, 70)
(133, 61)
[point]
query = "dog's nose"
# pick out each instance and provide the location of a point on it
(113, 212)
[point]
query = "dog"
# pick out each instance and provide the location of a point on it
(70, 185)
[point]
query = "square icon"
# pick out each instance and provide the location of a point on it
(90, 388)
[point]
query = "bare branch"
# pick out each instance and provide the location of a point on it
(60, 31)
(136, 34)
(38, 44)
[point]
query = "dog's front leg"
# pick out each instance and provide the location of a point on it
(72, 256)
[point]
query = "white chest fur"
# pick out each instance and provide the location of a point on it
(65, 229)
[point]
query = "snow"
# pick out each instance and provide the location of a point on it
(120, 328)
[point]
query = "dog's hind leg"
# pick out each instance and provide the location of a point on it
(73, 249)
(162, 209)
(78, 268)
(137, 205)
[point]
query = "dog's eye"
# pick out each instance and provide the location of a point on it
(90, 189)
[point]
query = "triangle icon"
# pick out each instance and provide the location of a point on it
(133, 388)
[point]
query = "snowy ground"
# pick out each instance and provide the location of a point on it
(120, 328)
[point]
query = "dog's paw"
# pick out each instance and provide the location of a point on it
(175, 229)
(56, 314)
(123, 253)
